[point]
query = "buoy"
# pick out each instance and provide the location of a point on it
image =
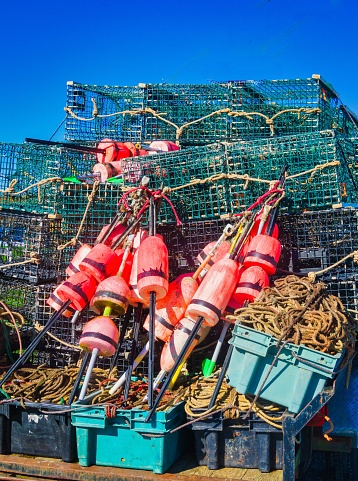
(114, 151)
(100, 337)
(219, 254)
(171, 309)
(101, 262)
(107, 170)
(139, 238)
(264, 251)
(256, 226)
(214, 292)
(133, 288)
(113, 236)
(127, 268)
(113, 292)
(79, 289)
(176, 342)
(135, 152)
(152, 268)
(56, 303)
(252, 280)
(164, 145)
(230, 309)
(73, 266)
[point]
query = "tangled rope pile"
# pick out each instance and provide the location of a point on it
(302, 312)
(40, 384)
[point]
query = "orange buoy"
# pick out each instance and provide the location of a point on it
(72, 267)
(107, 170)
(251, 282)
(164, 145)
(134, 294)
(101, 262)
(114, 151)
(214, 292)
(113, 292)
(176, 342)
(254, 230)
(78, 288)
(264, 251)
(56, 302)
(152, 268)
(171, 309)
(100, 333)
(219, 254)
(116, 232)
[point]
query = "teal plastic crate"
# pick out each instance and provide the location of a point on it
(126, 441)
(292, 382)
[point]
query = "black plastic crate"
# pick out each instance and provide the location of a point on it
(31, 432)
(26, 236)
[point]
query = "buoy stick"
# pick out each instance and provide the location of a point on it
(223, 372)
(151, 348)
(177, 363)
(122, 379)
(264, 216)
(75, 317)
(88, 374)
(133, 351)
(119, 216)
(176, 375)
(243, 238)
(209, 364)
(68, 146)
(32, 346)
(76, 385)
(146, 147)
(157, 381)
(124, 328)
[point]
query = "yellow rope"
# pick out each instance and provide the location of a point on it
(179, 129)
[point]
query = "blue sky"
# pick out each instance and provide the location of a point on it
(45, 44)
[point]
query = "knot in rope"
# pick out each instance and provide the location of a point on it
(35, 258)
(11, 186)
(95, 109)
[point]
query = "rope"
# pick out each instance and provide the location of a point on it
(39, 328)
(33, 258)
(312, 275)
(180, 129)
(74, 240)
(10, 190)
(12, 314)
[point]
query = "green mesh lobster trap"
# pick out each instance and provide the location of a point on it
(228, 111)
(23, 165)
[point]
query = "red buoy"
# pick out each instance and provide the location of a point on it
(100, 333)
(114, 151)
(171, 309)
(264, 251)
(77, 259)
(152, 268)
(101, 262)
(164, 145)
(114, 235)
(254, 230)
(56, 302)
(251, 282)
(126, 272)
(214, 292)
(134, 294)
(78, 288)
(176, 342)
(113, 292)
(219, 254)
(134, 151)
(230, 309)
(107, 170)
(139, 238)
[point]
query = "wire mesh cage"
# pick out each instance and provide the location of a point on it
(26, 164)
(32, 240)
(184, 104)
(63, 349)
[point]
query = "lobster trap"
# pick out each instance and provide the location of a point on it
(23, 165)
(28, 246)
(227, 111)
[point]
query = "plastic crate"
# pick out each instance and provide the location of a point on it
(125, 440)
(184, 103)
(21, 235)
(33, 433)
(291, 382)
(30, 163)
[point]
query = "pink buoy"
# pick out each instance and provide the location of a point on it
(101, 262)
(176, 343)
(254, 230)
(114, 151)
(152, 268)
(214, 292)
(251, 282)
(56, 302)
(113, 292)
(164, 145)
(114, 235)
(219, 254)
(77, 259)
(171, 309)
(264, 251)
(78, 288)
(100, 333)
(107, 170)
(134, 294)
